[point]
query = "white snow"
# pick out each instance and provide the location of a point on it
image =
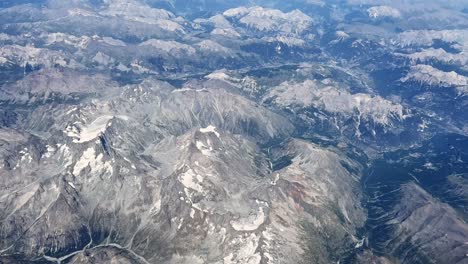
(210, 129)
(180, 224)
(87, 132)
(155, 208)
(220, 21)
(72, 185)
(192, 213)
(93, 130)
(169, 25)
(423, 125)
(65, 155)
(131, 163)
(96, 163)
(192, 181)
(136, 11)
(218, 75)
(265, 19)
(430, 166)
(170, 47)
(287, 40)
(25, 156)
(23, 55)
(323, 95)
(78, 42)
(340, 36)
(226, 32)
(223, 27)
(50, 151)
(236, 12)
(383, 11)
(87, 157)
(441, 55)
(427, 37)
(432, 76)
(204, 149)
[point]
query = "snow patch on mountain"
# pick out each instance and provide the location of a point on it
(95, 162)
(440, 55)
(288, 40)
(218, 75)
(222, 27)
(266, 19)
(226, 32)
(210, 129)
(339, 37)
(85, 133)
(220, 21)
(87, 156)
(22, 55)
(135, 10)
(434, 77)
(78, 42)
(170, 47)
(204, 149)
(139, 12)
(192, 181)
(383, 12)
(323, 96)
(91, 131)
(427, 37)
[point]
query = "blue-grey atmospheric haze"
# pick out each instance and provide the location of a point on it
(234, 131)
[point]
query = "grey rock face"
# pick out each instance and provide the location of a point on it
(174, 176)
(424, 226)
(106, 254)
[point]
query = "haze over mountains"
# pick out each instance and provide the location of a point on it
(257, 132)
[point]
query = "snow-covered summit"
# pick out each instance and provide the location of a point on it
(266, 19)
(383, 12)
(434, 77)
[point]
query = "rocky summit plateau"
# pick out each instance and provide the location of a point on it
(233, 132)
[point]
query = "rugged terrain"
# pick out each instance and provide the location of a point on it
(233, 132)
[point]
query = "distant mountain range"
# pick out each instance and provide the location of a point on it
(210, 131)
